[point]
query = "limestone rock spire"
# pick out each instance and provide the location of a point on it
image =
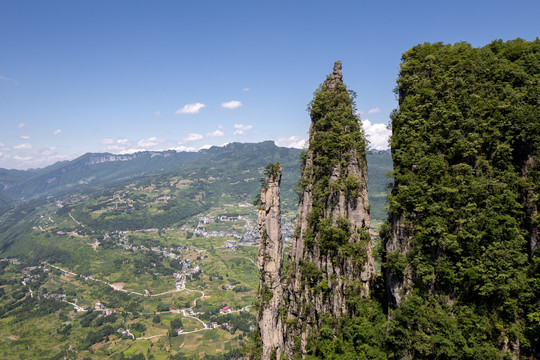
(335, 77)
(330, 259)
(270, 260)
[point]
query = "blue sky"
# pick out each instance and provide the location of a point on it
(123, 76)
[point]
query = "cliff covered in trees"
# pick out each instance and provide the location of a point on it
(460, 264)
(330, 260)
(461, 242)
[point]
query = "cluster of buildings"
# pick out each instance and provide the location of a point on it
(248, 237)
(187, 270)
(14, 261)
(104, 310)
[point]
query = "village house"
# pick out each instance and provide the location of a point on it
(225, 310)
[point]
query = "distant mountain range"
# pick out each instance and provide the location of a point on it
(94, 172)
(93, 169)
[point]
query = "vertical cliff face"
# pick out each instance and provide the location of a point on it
(270, 260)
(330, 260)
(461, 243)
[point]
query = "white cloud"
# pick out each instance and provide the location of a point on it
(231, 104)
(377, 134)
(217, 133)
(56, 132)
(41, 158)
(21, 125)
(246, 89)
(48, 151)
(130, 151)
(241, 129)
(190, 109)
(126, 146)
(374, 110)
(157, 113)
(291, 142)
(24, 137)
(22, 158)
(115, 148)
(149, 143)
(208, 146)
(107, 141)
(192, 137)
(184, 148)
(25, 146)
(118, 145)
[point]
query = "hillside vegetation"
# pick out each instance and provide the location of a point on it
(461, 247)
(133, 225)
(460, 256)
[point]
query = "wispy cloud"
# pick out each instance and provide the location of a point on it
(377, 134)
(117, 145)
(56, 132)
(192, 137)
(108, 141)
(48, 151)
(35, 159)
(241, 129)
(190, 109)
(157, 113)
(22, 158)
(217, 133)
(246, 89)
(150, 142)
(5, 78)
(374, 110)
(25, 146)
(126, 146)
(231, 104)
(24, 137)
(297, 142)
(21, 125)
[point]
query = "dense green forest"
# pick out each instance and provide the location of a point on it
(460, 258)
(465, 145)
